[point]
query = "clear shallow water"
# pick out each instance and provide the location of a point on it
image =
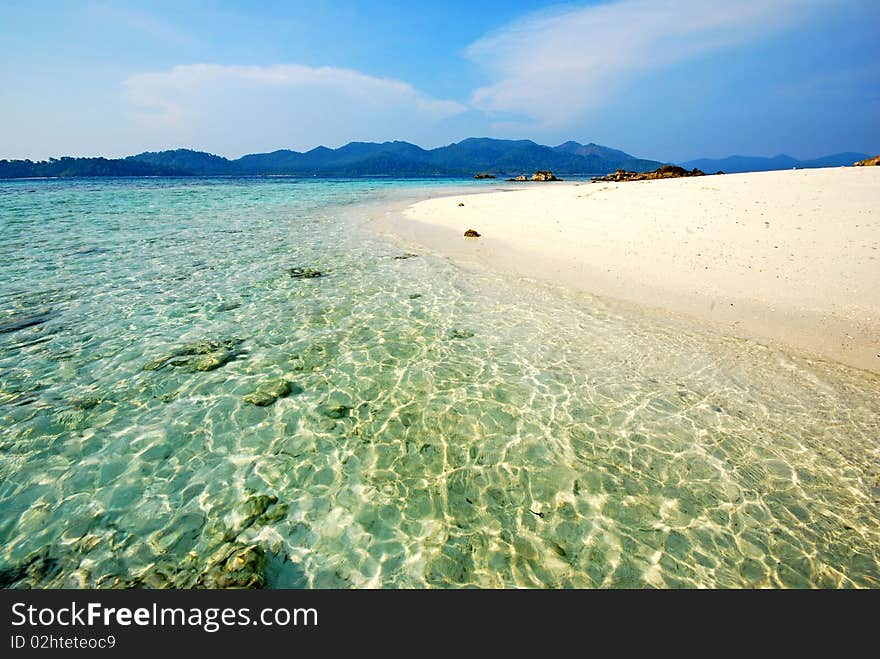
(440, 429)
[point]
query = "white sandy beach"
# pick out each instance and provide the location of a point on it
(791, 257)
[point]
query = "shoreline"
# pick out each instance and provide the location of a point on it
(790, 257)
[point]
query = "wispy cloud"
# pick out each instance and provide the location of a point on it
(289, 104)
(138, 21)
(553, 67)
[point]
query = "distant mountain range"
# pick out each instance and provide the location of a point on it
(738, 164)
(398, 159)
(464, 158)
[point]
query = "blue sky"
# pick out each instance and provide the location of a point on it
(664, 79)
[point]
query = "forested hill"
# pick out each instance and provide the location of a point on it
(399, 159)
(65, 167)
(463, 158)
(393, 159)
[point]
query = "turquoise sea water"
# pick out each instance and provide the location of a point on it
(182, 405)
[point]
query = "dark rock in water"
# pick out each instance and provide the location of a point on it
(260, 399)
(20, 398)
(336, 406)
(236, 566)
(544, 175)
(230, 564)
(415, 296)
(10, 575)
(471, 233)
(181, 535)
(258, 510)
(198, 356)
(206, 347)
(404, 257)
(85, 403)
(718, 172)
(228, 306)
(304, 273)
(460, 334)
(484, 175)
(268, 392)
(335, 411)
(233, 565)
(22, 322)
(258, 504)
(214, 361)
(518, 179)
(35, 569)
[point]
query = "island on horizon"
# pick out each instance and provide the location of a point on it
(402, 160)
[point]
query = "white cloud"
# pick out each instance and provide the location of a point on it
(239, 109)
(139, 22)
(554, 67)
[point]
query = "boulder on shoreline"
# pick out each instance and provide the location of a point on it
(869, 162)
(471, 233)
(667, 171)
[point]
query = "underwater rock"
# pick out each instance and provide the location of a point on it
(460, 334)
(233, 565)
(85, 403)
(228, 306)
(198, 356)
(268, 392)
(258, 510)
(236, 566)
(17, 397)
(24, 321)
(181, 535)
(211, 362)
(314, 356)
(304, 273)
(415, 296)
(471, 233)
(336, 406)
(334, 411)
(36, 568)
(406, 255)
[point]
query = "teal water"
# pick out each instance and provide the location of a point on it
(178, 409)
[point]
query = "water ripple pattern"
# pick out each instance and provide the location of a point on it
(234, 383)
